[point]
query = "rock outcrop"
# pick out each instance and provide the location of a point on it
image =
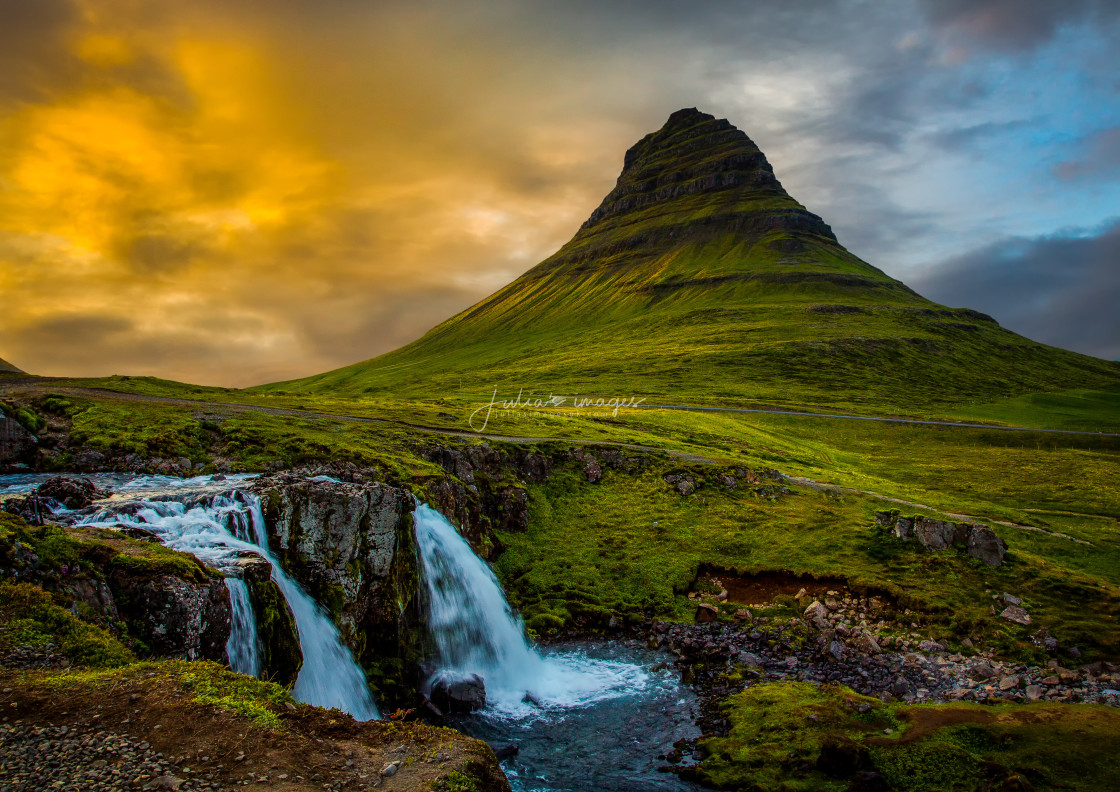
(174, 616)
(170, 603)
(15, 441)
(73, 492)
(351, 547)
(281, 657)
(978, 541)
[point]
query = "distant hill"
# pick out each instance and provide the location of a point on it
(699, 279)
(8, 368)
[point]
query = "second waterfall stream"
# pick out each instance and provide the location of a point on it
(475, 631)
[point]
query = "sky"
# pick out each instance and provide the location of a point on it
(231, 192)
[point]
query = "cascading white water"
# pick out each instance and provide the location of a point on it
(242, 648)
(475, 631)
(216, 532)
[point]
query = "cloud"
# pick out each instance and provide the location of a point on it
(1099, 158)
(266, 190)
(1062, 290)
(1014, 25)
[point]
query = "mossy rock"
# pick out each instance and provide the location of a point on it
(281, 656)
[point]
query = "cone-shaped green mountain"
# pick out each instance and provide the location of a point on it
(699, 279)
(8, 368)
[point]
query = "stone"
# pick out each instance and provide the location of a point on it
(1009, 682)
(177, 617)
(72, 492)
(866, 643)
(986, 547)
(348, 544)
(903, 528)
(931, 647)
(1034, 692)
(1013, 613)
(281, 656)
(165, 783)
(836, 649)
(800, 593)
(389, 770)
(749, 659)
(459, 695)
(816, 610)
(939, 534)
(981, 671)
(1011, 599)
(706, 613)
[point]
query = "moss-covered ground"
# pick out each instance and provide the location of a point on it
(796, 736)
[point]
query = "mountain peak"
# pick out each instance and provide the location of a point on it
(696, 159)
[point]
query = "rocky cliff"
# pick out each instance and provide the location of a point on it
(165, 603)
(351, 546)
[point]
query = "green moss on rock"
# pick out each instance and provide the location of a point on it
(281, 657)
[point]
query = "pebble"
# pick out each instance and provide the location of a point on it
(61, 757)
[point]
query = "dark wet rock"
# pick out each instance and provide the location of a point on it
(706, 613)
(350, 546)
(280, 653)
(71, 492)
(95, 594)
(459, 696)
(16, 443)
(507, 752)
(175, 617)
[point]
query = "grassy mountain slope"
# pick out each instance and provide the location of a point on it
(8, 368)
(699, 279)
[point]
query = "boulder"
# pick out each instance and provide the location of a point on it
(706, 613)
(1014, 613)
(985, 546)
(816, 610)
(459, 695)
(939, 534)
(866, 643)
(71, 492)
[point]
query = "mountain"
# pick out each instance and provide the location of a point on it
(8, 368)
(699, 279)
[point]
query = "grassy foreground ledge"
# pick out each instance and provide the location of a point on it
(211, 723)
(796, 736)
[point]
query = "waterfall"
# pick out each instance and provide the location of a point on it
(215, 532)
(475, 631)
(242, 648)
